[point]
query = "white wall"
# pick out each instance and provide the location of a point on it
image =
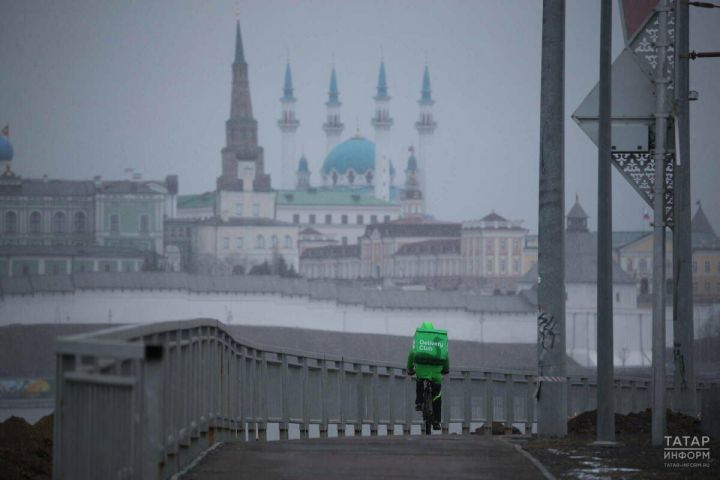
(632, 330)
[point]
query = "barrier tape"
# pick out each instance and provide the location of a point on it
(552, 379)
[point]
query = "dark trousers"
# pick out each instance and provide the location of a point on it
(437, 399)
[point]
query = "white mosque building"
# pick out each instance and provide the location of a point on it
(357, 173)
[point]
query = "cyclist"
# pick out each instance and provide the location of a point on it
(429, 367)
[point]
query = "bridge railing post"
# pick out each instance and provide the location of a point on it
(152, 397)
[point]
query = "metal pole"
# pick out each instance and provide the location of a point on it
(605, 373)
(683, 327)
(552, 387)
(661, 120)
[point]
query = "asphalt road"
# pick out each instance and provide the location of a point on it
(403, 457)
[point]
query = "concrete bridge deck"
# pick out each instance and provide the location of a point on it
(401, 457)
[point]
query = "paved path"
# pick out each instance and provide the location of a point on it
(406, 457)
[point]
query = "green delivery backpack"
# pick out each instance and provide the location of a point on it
(430, 346)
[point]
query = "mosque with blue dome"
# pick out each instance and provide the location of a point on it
(358, 164)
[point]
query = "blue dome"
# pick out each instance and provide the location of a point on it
(356, 154)
(6, 150)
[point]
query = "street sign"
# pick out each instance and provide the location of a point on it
(633, 106)
(633, 101)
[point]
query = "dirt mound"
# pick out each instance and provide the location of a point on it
(634, 423)
(26, 450)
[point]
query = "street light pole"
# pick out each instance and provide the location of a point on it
(552, 385)
(605, 351)
(661, 122)
(683, 327)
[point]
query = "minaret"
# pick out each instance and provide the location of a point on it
(333, 127)
(425, 127)
(412, 197)
(241, 133)
(288, 126)
(303, 174)
(382, 123)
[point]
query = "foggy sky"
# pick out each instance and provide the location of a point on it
(95, 87)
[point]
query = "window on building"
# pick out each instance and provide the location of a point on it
(707, 266)
(107, 267)
(114, 223)
(516, 246)
(490, 265)
(328, 219)
(128, 267)
(239, 243)
(373, 219)
(628, 264)
(144, 224)
(503, 265)
(82, 267)
(694, 267)
(386, 219)
(516, 266)
(35, 222)
(344, 219)
(288, 241)
(55, 269)
(256, 210)
(311, 219)
(79, 222)
(58, 223)
(643, 265)
(226, 243)
(239, 209)
(260, 241)
(360, 220)
(274, 241)
(11, 222)
(644, 286)
(707, 286)
(296, 218)
(25, 270)
(344, 240)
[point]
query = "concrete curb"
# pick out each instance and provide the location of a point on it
(546, 473)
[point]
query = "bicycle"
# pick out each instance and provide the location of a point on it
(427, 406)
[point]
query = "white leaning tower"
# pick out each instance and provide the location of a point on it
(288, 126)
(425, 127)
(382, 123)
(333, 126)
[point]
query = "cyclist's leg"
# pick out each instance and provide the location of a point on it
(437, 401)
(418, 394)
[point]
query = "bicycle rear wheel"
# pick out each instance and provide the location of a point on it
(427, 407)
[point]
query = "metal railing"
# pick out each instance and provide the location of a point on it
(144, 401)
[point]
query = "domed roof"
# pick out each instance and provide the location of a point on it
(356, 154)
(6, 150)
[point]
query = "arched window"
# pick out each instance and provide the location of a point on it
(114, 223)
(288, 241)
(79, 222)
(642, 265)
(260, 241)
(274, 241)
(11, 222)
(144, 224)
(35, 222)
(58, 222)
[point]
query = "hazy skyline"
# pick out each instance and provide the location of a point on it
(93, 88)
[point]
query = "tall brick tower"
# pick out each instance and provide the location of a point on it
(242, 151)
